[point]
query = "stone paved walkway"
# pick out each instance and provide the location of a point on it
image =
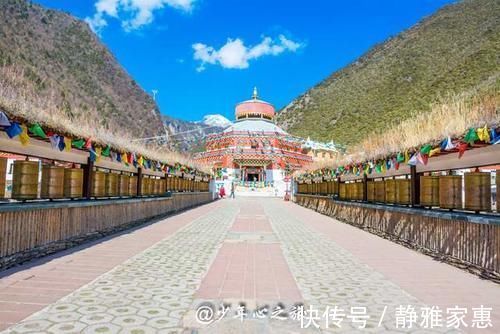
(268, 259)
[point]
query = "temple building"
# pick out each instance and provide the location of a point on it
(254, 152)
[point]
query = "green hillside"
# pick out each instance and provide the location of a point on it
(454, 51)
(53, 62)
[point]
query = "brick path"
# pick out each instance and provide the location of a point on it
(250, 251)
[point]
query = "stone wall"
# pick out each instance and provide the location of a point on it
(35, 229)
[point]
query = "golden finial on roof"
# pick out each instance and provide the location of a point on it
(255, 94)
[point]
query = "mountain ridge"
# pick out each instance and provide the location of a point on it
(54, 61)
(453, 51)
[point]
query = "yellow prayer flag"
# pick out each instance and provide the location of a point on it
(67, 144)
(23, 137)
(98, 151)
(407, 157)
(140, 161)
(483, 134)
(434, 151)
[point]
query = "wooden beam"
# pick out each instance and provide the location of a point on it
(87, 178)
(414, 187)
(365, 188)
(139, 181)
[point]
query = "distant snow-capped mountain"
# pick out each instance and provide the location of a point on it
(216, 120)
(187, 136)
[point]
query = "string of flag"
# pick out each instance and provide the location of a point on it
(412, 157)
(23, 132)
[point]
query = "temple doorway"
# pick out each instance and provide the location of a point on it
(253, 174)
(252, 177)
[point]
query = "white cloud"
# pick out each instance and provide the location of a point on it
(234, 54)
(133, 14)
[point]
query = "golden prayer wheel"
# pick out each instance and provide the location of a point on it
(3, 176)
(112, 185)
(158, 186)
(163, 186)
(98, 187)
(360, 191)
(343, 190)
(390, 191)
(429, 190)
(330, 187)
(132, 185)
(477, 191)
(123, 185)
(323, 188)
(52, 182)
(174, 183)
(335, 187)
(351, 191)
(73, 182)
(151, 186)
(309, 188)
(403, 191)
(379, 191)
(450, 192)
(370, 191)
(145, 186)
(25, 180)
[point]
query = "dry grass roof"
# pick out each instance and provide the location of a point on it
(19, 100)
(452, 117)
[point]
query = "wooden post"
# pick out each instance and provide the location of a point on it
(87, 178)
(139, 181)
(414, 187)
(365, 188)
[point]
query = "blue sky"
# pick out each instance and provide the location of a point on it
(204, 56)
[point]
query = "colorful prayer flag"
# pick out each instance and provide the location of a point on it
(37, 130)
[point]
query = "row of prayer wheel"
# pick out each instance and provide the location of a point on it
(60, 182)
(444, 191)
(391, 191)
(323, 188)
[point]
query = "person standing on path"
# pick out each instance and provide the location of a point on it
(232, 190)
(222, 192)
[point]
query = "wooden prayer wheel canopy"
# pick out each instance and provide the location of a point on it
(73, 182)
(403, 191)
(52, 182)
(379, 191)
(132, 186)
(450, 192)
(25, 180)
(123, 184)
(112, 186)
(429, 190)
(3, 176)
(370, 188)
(390, 191)
(478, 191)
(98, 187)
